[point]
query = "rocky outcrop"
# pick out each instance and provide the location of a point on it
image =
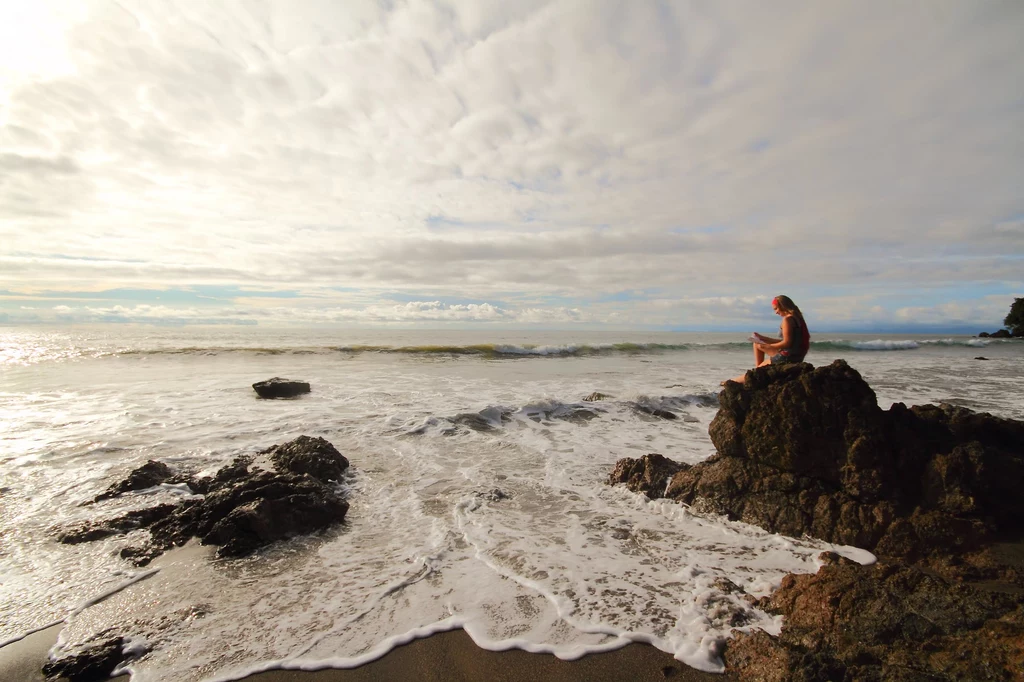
(277, 387)
(242, 509)
(805, 451)
(808, 451)
(887, 621)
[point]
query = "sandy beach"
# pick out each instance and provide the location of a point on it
(445, 657)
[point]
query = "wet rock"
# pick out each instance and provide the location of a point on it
(237, 470)
(649, 474)
(245, 517)
(1001, 334)
(307, 455)
(808, 451)
(90, 665)
(653, 411)
(97, 530)
(277, 387)
(243, 508)
(981, 357)
(576, 415)
(494, 495)
(595, 396)
(140, 556)
(150, 474)
(472, 420)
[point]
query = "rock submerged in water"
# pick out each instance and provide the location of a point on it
(805, 451)
(243, 508)
(277, 387)
(93, 663)
(149, 475)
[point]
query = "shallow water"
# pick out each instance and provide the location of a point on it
(564, 563)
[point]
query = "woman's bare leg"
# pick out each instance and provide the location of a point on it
(759, 361)
(758, 355)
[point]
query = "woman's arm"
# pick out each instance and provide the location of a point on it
(787, 337)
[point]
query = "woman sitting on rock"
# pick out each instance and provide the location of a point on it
(793, 345)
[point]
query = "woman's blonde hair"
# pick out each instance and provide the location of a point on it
(786, 305)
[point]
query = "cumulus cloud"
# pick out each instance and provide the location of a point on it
(446, 148)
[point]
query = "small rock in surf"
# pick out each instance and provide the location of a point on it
(280, 388)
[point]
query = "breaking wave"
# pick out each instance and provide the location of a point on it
(35, 353)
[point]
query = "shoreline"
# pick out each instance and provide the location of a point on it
(449, 656)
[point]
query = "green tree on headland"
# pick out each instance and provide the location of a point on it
(1015, 320)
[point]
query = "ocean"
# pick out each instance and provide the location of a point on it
(433, 422)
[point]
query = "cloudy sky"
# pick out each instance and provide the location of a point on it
(509, 163)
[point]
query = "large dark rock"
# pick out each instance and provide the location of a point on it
(1001, 334)
(243, 509)
(927, 488)
(808, 451)
(277, 387)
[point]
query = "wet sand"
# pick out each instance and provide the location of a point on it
(454, 657)
(22, 661)
(444, 657)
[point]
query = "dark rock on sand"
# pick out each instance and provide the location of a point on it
(808, 451)
(981, 357)
(648, 475)
(277, 387)
(242, 509)
(90, 665)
